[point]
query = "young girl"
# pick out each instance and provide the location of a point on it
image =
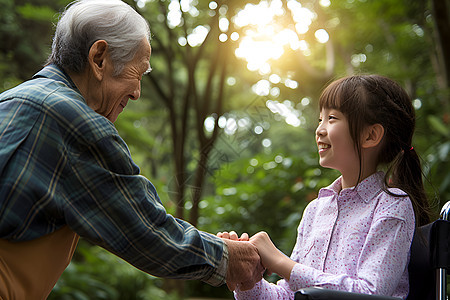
(357, 234)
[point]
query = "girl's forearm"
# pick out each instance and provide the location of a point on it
(283, 266)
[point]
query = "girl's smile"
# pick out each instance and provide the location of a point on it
(323, 147)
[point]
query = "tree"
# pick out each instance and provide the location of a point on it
(207, 92)
(21, 54)
(189, 79)
(441, 13)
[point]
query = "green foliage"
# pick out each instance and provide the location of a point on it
(25, 33)
(36, 13)
(438, 160)
(260, 187)
(267, 192)
(250, 187)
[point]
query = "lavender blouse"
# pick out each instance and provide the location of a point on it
(355, 240)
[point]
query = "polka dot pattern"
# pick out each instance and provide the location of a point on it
(356, 239)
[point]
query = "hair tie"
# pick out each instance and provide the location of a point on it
(411, 149)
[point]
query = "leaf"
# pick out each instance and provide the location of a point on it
(437, 124)
(36, 13)
(443, 151)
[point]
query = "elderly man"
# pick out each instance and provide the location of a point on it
(65, 171)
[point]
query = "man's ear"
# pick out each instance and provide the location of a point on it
(373, 135)
(96, 58)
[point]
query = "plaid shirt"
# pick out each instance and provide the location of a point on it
(61, 163)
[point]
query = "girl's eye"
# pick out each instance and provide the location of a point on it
(320, 120)
(331, 117)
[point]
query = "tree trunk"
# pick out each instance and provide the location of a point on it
(201, 171)
(442, 35)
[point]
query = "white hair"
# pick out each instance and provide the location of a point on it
(86, 21)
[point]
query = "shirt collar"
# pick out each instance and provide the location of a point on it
(54, 72)
(366, 190)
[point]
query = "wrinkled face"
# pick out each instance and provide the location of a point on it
(335, 145)
(117, 90)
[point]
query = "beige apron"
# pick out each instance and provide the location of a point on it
(30, 269)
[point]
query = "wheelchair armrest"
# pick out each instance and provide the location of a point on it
(317, 293)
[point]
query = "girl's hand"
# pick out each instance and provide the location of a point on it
(232, 235)
(272, 259)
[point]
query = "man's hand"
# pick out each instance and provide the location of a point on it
(244, 265)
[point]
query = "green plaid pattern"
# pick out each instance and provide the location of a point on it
(61, 163)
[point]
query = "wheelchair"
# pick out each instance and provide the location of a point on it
(427, 268)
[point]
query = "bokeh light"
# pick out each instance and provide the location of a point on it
(265, 40)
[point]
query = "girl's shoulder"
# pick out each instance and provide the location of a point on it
(396, 192)
(394, 203)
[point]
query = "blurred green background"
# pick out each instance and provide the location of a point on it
(225, 124)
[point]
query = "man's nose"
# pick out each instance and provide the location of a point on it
(136, 93)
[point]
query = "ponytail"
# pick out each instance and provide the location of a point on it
(406, 174)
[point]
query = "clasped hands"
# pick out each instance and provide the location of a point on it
(249, 258)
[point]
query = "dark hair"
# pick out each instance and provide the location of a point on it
(373, 99)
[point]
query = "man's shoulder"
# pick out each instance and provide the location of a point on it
(39, 90)
(60, 103)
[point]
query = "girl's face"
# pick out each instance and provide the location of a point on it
(336, 147)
